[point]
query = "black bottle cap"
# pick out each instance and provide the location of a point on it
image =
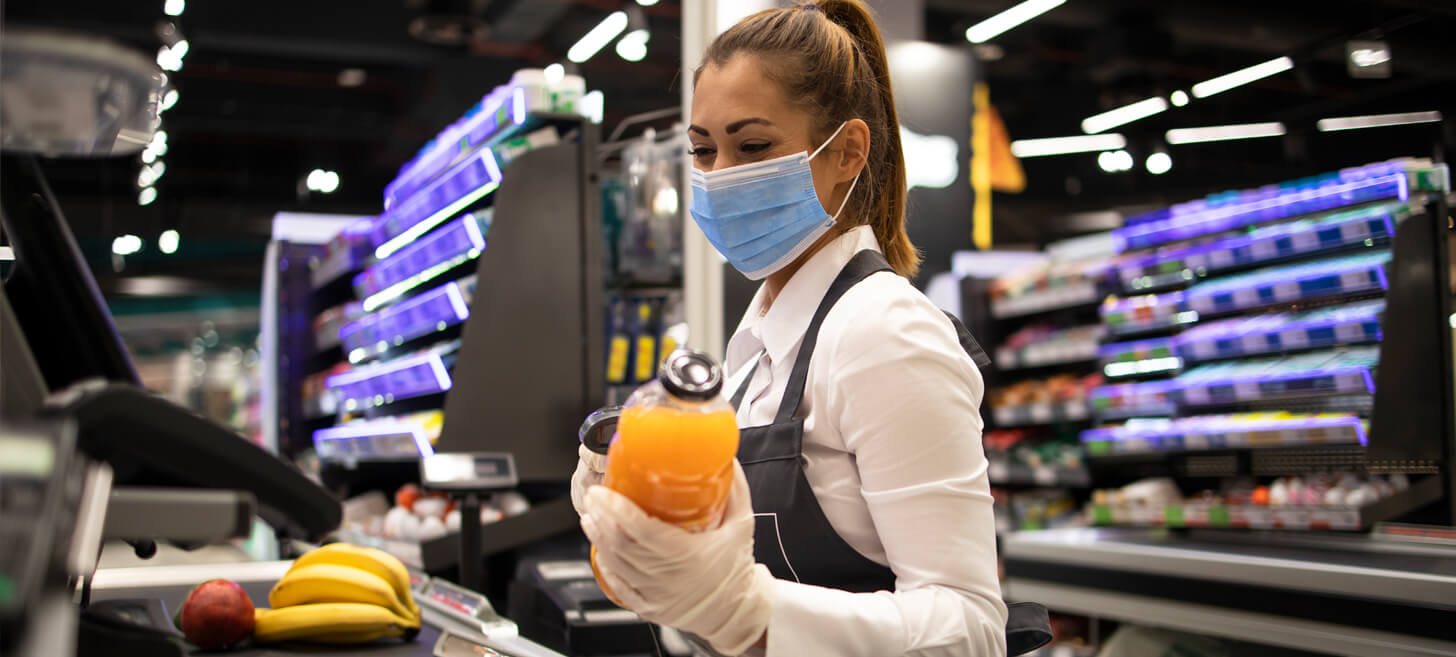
(691, 375)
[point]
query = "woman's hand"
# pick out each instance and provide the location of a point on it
(706, 583)
(590, 466)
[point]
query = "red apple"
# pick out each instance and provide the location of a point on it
(217, 614)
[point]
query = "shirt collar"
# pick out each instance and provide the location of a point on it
(781, 327)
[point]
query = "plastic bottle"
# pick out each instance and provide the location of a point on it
(675, 444)
(567, 93)
(532, 82)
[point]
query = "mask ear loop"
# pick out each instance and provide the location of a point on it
(851, 184)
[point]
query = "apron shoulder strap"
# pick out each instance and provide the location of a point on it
(973, 348)
(860, 267)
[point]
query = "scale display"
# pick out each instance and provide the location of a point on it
(468, 471)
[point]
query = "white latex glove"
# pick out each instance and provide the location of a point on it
(590, 466)
(706, 583)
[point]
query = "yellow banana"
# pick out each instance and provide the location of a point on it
(363, 636)
(382, 564)
(326, 582)
(330, 622)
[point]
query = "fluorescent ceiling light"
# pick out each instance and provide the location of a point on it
(168, 100)
(125, 245)
(633, 46)
(1179, 98)
(1124, 115)
(1159, 163)
(1064, 145)
(1115, 161)
(174, 7)
(1377, 121)
(6, 253)
(169, 241)
(994, 26)
(146, 196)
(1242, 77)
(646, 3)
(555, 73)
(1225, 132)
(598, 37)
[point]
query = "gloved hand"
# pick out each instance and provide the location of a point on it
(590, 466)
(706, 583)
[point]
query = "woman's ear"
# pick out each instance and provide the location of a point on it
(854, 151)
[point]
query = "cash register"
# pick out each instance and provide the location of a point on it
(87, 455)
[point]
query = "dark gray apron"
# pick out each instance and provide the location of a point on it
(791, 535)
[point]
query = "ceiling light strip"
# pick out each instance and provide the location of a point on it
(1242, 77)
(1065, 145)
(1225, 133)
(1000, 23)
(1124, 115)
(1377, 121)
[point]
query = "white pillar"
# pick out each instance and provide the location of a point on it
(702, 20)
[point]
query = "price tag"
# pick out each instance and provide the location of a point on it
(1195, 515)
(1264, 250)
(1286, 292)
(1292, 518)
(1350, 333)
(1041, 413)
(1351, 382)
(1004, 416)
(1254, 344)
(1196, 395)
(1355, 231)
(1294, 339)
(1220, 258)
(1246, 391)
(1355, 280)
(1074, 410)
(1246, 297)
(1305, 241)
(1207, 349)
(1044, 476)
(997, 471)
(1195, 441)
(1258, 517)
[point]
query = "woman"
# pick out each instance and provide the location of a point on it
(861, 520)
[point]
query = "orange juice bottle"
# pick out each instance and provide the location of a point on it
(675, 444)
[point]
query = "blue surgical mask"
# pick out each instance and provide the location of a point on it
(764, 215)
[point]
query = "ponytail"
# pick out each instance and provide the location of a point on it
(828, 57)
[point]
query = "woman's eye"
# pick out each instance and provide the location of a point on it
(701, 151)
(754, 147)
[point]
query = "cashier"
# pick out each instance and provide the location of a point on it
(861, 520)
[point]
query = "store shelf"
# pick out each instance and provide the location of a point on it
(1304, 375)
(428, 312)
(1223, 212)
(1251, 516)
(405, 378)
(1127, 400)
(451, 246)
(1040, 413)
(1062, 297)
(1355, 323)
(387, 440)
(1354, 275)
(1147, 313)
(1048, 354)
(1001, 473)
(1266, 245)
(1223, 432)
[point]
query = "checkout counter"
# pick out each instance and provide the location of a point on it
(1356, 595)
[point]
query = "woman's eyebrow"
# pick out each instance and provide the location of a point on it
(732, 127)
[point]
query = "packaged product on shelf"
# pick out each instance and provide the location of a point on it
(1149, 312)
(1226, 431)
(1038, 345)
(1043, 401)
(1323, 501)
(1356, 274)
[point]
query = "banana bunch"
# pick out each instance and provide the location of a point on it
(340, 593)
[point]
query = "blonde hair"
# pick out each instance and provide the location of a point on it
(829, 58)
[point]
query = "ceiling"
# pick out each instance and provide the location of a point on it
(262, 102)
